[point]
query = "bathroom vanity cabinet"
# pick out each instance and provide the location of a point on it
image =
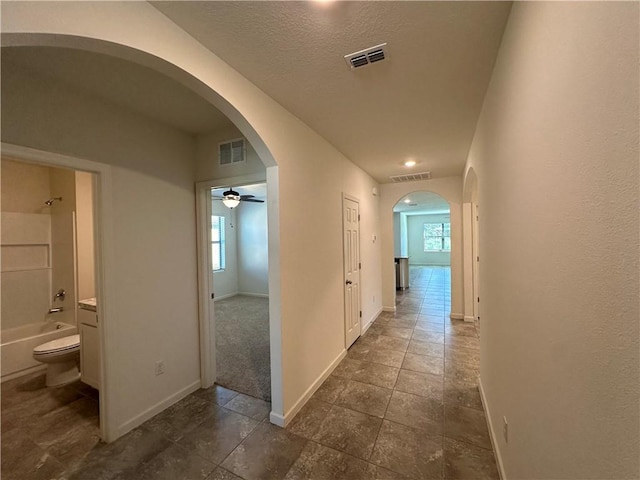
(89, 347)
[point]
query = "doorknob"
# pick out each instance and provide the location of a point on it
(349, 282)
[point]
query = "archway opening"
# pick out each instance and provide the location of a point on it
(422, 244)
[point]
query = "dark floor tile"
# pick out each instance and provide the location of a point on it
(365, 398)
(387, 343)
(249, 406)
(391, 358)
(331, 389)
(219, 435)
(423, 384)
(376, 374)
(408, 451)
(384, 474)
(438, 328)
(120, 458)
(349, 431)
(58, 425)
(22, 459)
(398, 332)
(418, 412)
(437, 319)
(216, 394)
(75, 444)
(460, 355)
(182, 417)
(320, 462)
(426, 336)
(175, 463)
(357, 351)
(462, 372)
(467, 462)
(466, 330)
(267, 453)
(467, 425)
(426, 348)
(222, 474)
(471, 343)
(466, 395)
(399, 323)
(423, 364)
(346, 368)
(308, 420)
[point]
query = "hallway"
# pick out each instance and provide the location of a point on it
(404, 403)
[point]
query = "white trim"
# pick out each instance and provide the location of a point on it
(157, 408)
(456, 316)
(284, 421)
(26, 371)
(492, 434)
(389, 309)
(104, 257)
(206, 315)
(469, 319)
(249, 294)
(222, 297)
(370, 322)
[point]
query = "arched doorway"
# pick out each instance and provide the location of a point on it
(422, 240)
(116, 418)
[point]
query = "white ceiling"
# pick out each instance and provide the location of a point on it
(124, 83)
(419, 203)
(258, 190)
(422, 102)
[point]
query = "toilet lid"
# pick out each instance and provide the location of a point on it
(59, 344)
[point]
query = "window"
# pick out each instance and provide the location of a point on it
(437, 237)
(217, 243)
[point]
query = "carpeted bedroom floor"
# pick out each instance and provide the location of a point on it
(242, 345)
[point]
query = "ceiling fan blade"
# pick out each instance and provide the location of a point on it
(255, 200)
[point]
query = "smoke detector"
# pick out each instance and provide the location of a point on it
(366, 56)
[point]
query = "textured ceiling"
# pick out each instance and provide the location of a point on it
(124, 83)
(422, 102)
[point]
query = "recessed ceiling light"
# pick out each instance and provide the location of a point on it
(407, 200)
(410, 163)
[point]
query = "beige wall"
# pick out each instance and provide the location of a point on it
(25, 187)
(84, 235)
(556, 154)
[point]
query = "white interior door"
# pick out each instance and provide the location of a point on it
(351, 247)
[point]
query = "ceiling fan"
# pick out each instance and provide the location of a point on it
(231, 198)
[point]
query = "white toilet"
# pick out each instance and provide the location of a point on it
(62, 357)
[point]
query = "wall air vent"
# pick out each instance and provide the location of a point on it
(367, 56)
(411, 177)
(231, 152)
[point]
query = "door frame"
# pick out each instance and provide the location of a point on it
(206, 314)
(346, 196)
(103, 225)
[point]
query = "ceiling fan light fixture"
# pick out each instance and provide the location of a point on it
(231, 202)
(410, 163)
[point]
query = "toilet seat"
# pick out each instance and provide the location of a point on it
(59, 346)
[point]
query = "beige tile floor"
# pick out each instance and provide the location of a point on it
(403, 403)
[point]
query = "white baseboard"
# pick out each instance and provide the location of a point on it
(24, 372)
(288, 416)
(249, 294)
(370, 322)
(468, 318)
(492, 433)
(222, 297)
(456, 316)
(157, 408)
(388, 309)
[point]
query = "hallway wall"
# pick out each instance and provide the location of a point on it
(556, 153)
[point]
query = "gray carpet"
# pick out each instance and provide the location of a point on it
(242, 345)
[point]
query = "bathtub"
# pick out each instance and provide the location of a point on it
(17, 344)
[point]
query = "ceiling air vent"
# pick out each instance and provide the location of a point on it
(366, 56)
(411, 177)
(233, 151)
